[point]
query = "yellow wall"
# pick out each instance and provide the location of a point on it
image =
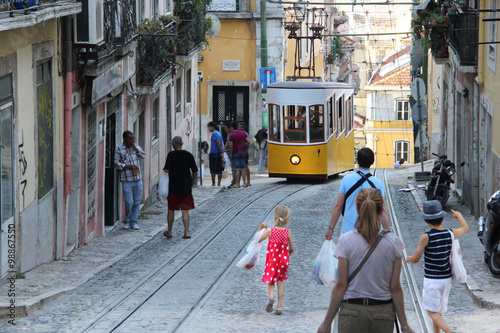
(236, 41)
(389, 133)
(491, 83)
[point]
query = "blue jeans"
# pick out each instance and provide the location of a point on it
(132, 195)
(262, 160)
(238, 161)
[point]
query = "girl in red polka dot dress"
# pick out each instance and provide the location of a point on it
(279, 249)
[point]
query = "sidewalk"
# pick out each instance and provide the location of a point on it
(483, 288)
(46, 283)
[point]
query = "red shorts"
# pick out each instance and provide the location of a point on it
(180, 201)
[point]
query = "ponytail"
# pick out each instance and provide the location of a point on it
(369, 204)
(281, 216)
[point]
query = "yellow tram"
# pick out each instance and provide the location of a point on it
(310, 129)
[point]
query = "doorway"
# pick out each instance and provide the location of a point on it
(111, 207)
(230, 103)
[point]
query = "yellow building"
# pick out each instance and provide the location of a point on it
(389, 128)
(488, 79)
(231, 63)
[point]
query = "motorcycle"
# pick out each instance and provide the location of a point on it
(489, 234)
(438, 187)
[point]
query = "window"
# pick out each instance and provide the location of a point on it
(402, 110)
(155, 120)
(339, 119)
(492, 37)
(316, 123)
(188, 86)
(178, 95)
(349, 115)
(295, 123)
(402, 151)
(45, 129)
(331, 115)
(7, 153)
(274, 122)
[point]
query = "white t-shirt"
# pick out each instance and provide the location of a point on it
(374, 278)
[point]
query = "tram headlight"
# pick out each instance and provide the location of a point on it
(295, 159)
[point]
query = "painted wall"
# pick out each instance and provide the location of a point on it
(381, 138)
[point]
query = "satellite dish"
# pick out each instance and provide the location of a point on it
(215, 28)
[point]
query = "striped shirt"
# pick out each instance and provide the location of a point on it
(437, 254)
(128, 156)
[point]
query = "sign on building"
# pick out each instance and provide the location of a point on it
(267, 76)
(231, 65)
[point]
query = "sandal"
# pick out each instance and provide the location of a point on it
(279, 312)
(165, 233)
(269, 307)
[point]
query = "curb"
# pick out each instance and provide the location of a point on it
(473, 289)
(25, 306)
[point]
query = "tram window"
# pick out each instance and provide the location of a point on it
(340, 116)
(330, 115)
(295, 123)
(316, 123)
(274, 122)
(349, 115)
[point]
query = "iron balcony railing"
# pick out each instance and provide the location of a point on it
(464, 35)
(155, 55)
(190, 37)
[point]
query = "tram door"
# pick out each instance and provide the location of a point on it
(230, 103)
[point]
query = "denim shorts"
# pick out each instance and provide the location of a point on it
(238, 161)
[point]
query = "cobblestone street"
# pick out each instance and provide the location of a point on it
(198, 288)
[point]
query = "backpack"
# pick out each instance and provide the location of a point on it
(364, 178)
(261, 135)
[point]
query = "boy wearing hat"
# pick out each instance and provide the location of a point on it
(436, 244)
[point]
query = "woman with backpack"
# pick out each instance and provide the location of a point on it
(261, 138)
(368, 290)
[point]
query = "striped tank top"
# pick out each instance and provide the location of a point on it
(437, 254)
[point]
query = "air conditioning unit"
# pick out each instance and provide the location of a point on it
(89, 23)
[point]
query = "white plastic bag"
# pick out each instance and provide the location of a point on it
(326, 265)
(228, 162)
(162, 191)
(458, 272)
(252, 254)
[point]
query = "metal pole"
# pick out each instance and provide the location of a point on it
(263, 33)
(421, 122)
(199, 130)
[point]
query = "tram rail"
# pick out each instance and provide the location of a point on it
(113, 318)
(423, 318)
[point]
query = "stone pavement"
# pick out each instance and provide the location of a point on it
(469, 303)
(47, 282)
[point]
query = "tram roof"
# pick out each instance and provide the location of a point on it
(309, 85)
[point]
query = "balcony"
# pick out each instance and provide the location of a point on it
(155, 55)
(22, 14)
(464, 35)
(190, 37)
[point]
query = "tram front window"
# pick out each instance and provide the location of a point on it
(295, 123)
(316, 123)
(274, 122)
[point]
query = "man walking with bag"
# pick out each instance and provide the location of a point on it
(127, 157)
(349, 189)
(183, 172)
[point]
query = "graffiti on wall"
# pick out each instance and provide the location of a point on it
(23, 167)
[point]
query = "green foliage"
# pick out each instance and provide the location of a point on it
(195, 10)
(160, 26)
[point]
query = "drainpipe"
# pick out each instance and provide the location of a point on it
(68, 80)
(263, 33)
(475, 146)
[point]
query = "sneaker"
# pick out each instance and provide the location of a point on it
(126, 225)
(134, 225)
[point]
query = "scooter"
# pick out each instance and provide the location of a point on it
(489, 234)
(438, 187)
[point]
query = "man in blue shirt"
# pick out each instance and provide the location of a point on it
(216, 155)
(366, 157)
